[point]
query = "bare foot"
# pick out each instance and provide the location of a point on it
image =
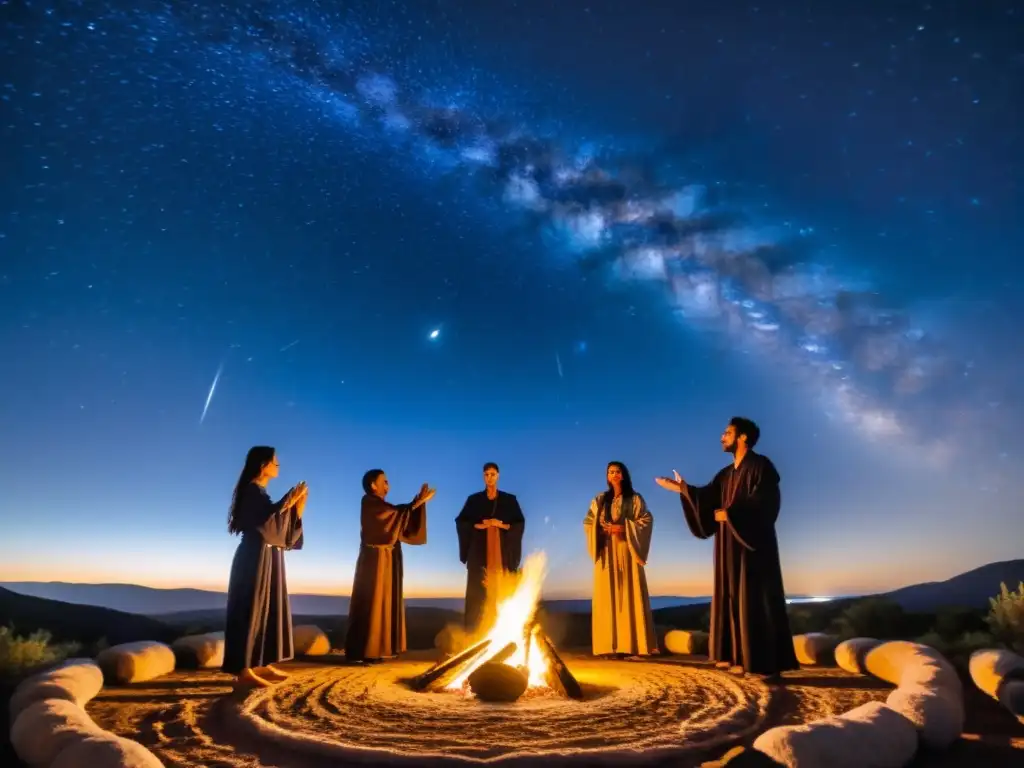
(249, 679)
(272, 673)
(722, 665)
(736, 670)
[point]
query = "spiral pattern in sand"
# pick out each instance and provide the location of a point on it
(636, 712)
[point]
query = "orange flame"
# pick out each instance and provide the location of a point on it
(514, 613)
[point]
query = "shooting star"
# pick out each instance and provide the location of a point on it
(558, 362)
(209, 395)
(286, 347)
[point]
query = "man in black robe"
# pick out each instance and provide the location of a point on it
(490, 528)
(749, 624)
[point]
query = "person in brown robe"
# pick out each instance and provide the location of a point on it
(376, 610)
(258, 625)
(490, 528)
(739, 508)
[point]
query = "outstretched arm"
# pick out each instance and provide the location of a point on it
(699, 503)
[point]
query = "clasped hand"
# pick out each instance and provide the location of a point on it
(298, 493)
(613, 529)
(490, 522)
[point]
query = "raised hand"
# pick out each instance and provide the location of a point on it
(426, 493)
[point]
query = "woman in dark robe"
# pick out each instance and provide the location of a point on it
(376, 610)
(258, 630)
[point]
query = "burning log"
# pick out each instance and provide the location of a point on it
(439, 675)
(509, 642)
(504, 654)
(558, 675)
(451, 665)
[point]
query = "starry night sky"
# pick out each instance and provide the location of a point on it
(627, 222)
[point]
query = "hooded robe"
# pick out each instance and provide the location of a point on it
(376, 610)
(258, 625)
(749, 623)
(621, 618)
(488, 554)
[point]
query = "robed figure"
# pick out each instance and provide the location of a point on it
(490, 528)
(258, 625)
(618, 528)
(376, 611)
(739, 508)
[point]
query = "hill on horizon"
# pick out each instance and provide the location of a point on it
(971, 589)
(180, 602)
(73, 622)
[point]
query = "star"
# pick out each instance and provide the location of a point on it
(434, 334)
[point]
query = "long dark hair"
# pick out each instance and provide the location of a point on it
(627, 484)
(255, 460)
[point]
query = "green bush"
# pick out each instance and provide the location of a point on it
(1006, 617)
(871, 617)
(803, 619)
(952, 623)
(19, 655)
(958, 649)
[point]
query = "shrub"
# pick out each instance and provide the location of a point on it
(871, 617)
(958, 649)
(19, 655)
(953, 623)
(803, 620)
(1006, 617)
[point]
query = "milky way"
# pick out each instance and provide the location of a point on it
(763, 289)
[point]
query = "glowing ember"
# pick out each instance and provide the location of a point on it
(515, 624)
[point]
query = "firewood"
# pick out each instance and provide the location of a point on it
(432, 675)
(558, 675)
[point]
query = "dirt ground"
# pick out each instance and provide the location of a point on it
(667, 711)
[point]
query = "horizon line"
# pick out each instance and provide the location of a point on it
(297, 593)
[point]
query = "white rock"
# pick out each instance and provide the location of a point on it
(42, 729)
(928, 689)
(76, 680)
(136, 662)
(815, 648)
(684, 642)
(937, 712)
(106, 751)
(451, 639)
(850, 654)
(870, 736)
(901, 662)
(310, 640)
(1000, 674)
(202, 651)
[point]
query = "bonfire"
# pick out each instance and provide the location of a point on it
(515, 639)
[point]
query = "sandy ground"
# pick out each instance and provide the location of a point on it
(668, 711)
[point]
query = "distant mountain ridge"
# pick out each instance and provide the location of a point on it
(971, 589)
(159, 603)
(77, 622)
